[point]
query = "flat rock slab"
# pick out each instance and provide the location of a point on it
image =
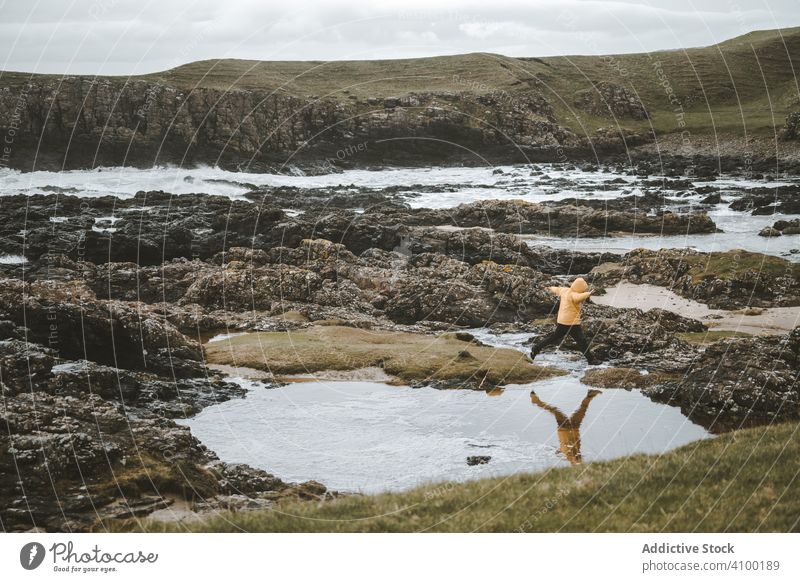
(444, 360)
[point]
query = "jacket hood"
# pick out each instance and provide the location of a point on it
(579, 285)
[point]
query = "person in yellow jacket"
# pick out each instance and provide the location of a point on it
(568, 322)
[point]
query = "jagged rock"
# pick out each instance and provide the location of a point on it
(714, 198)
(92, 454)
(725, 280)
(740, 381)
(625, 378)
(478, 460)
(521, 217)
(143, 120)
(81, 441)
(610, 100)
(148, 229)
(635, 338)
(768, 201)
(68, 318)
(787, 226)
(791, 129)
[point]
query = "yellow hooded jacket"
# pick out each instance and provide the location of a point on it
(572, 298)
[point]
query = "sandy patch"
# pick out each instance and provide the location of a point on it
(774, 320)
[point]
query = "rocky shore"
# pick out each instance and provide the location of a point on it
(103, 323)
(732, 279)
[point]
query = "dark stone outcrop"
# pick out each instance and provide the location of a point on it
(737, 382)
(81, 442)
(635, 337)
(610, 100)
(108, 121)
(782, 227)
(768, 201)
(728, 280)
(68, 318)
(561, 219)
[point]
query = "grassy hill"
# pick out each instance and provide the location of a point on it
(742, 481)
(748, 83)
(745, 83)
(240, 111)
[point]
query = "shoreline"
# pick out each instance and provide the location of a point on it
(726, 152)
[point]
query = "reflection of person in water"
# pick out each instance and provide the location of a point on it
(569, 435)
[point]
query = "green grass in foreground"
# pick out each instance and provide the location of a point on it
(742, 481)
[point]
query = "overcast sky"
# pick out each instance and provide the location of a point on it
(129, 37)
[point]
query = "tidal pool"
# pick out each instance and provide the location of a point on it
(371, 437)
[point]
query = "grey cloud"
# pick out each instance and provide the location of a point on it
(126, 37)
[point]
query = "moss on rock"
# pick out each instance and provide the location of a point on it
(445, 360)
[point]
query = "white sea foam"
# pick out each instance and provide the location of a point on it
(454, 186)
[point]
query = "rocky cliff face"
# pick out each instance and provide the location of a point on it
(611, 100)
(84, 121)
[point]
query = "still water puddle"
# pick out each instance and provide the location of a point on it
(371, 437)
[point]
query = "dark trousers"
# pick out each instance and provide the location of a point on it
(558, 335)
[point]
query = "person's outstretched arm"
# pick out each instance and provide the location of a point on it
(581, 297)
(556, 290)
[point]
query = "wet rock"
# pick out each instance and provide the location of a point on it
(739, 381)
(625, 378)
(24, 366)
(476, 245)
(633, 338)
(521, 217)
(768, 201)
(69, 319)
(312, 491)
(239, 479)
(627, 334)
(478, 460)
(147, 229)
(91, 453)
(81, 442)
(791, 129)
(786, 226)
(727, 280)
(768, 231)
(714, 198)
